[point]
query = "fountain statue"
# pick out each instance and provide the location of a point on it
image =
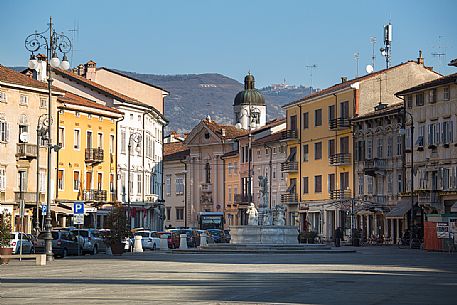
(253, 218)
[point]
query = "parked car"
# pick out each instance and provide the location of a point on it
(193, 239)
(149, 239)
(63, 243)
(27, 244)
(209, 237)
(90, 240)
(218, 235)
(228, 237)
(173, 239)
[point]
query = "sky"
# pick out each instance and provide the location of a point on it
(274, 40)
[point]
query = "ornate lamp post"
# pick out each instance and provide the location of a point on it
(41, 132)
(55, 43)
(134, 137)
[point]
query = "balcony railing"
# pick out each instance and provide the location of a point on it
(289, 198)
(29, 197)
(241, 199)
(430, 198)
(340, 194)
(340, 159)
(372, 167)
(289, 167)
(289, 135)
(94, 155)
(339, 123)
(381, 199)
(207, 187)
(95, 195)
(26, 151)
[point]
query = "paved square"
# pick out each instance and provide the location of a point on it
(373, 275)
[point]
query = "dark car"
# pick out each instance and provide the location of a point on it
(172, 237)
(218, 235)
(228, 237)
(63, 243)
(193, 239)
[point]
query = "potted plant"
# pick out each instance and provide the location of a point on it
(5, 235)
(116, 222)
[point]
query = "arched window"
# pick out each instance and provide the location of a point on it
(208, 173)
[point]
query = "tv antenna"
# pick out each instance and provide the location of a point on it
(386, 51)
(311, 67)
(356, 57)
(74, 38)
(440, 53)
(373, 56)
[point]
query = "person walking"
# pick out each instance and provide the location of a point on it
(337, 237)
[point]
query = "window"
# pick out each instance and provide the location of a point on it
(207, 173)
(42, 181)
(331, 183)
(318, 117)
(76, 180)
(390, 184)
(111, 143)
(123, 141)
(2, 97)
(370, 185)
(89, 139)
(168, 213)
(305, 120)
(305, 185)
(369, 149)
(76, 139)
(305, 153)
(229, 193)
(360, 150)
(331, 113)
(379, 151)
(390, 144)
(179, 213)
(168, 185)
(361, 189)
(446, 93)
(139, 183)
(2, 178)
(318, 184)
(60, 182)
(4, 131)
(420, 99)
(344, 145)
(448, 132)
(400, 183)
(131, 116)
(43, 102)
(61, 137)
(318, 151)
(344, 110)
(331, 147)
(432, 96)
(399, 145)
(179, 185)
(111, 183)
(23, 100)
(22, 180)
(100, 140)
(344, 181)
(409, 101)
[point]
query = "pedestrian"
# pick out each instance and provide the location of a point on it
(337, 237)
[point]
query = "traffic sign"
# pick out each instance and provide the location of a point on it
(78, 207)
(78, 219)
(44, 209)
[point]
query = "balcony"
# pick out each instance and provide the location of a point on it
(207, 187)
(94, 155)
(380, 199)
(289, 198)
(289, 167)
(375, 166)
(95, 195)
(289, 135)
(340, 159)
(429, 198)
(241, 199)
(26, 151)
(340, 194)
(29, 197)
(339, 124)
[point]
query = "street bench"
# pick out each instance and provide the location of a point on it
(40, 259)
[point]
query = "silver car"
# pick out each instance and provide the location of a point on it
(27, 244)
(149, 239)
(90, 241)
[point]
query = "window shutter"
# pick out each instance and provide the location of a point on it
(7, 133)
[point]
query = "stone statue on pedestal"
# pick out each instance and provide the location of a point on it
(253, 215)
(279, 215)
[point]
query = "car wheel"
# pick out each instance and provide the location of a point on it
(154, 247)
(95, 251)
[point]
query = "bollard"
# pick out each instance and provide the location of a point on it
(137, 246)
(163, 243)
(183, 241)
(203, 240)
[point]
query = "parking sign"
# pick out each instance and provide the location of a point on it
(78, 207)
(44, 208)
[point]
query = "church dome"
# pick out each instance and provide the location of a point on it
(250, 95)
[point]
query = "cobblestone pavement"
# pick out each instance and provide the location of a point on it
(373, 275)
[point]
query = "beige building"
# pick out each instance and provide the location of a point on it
(175, 192)
(232, 188)
(320, 144)
(433, 109)
(23, 101)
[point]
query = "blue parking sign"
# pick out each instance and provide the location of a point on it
(78, 207)
(44, 208)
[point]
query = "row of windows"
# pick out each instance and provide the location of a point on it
(343, 113)
(179, 213)
(23, 100)
(22, 179)
(331, 183)
(437, 133)
(379, 184)
(344, 148)
(78, 185)
(364, 148)
(89, 139)
(179, 185)
(431, 95)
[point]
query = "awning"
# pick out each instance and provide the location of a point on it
(60, 210)
(454, 208)
(399, 211)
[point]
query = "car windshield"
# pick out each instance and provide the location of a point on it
(55, 235)
(142, 234)
(82, 233)
(166, 235)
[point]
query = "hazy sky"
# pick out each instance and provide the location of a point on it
(272, 39)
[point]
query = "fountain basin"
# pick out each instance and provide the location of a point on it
(286, 235)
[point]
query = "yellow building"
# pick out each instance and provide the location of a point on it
(87, 158)
(320, 145)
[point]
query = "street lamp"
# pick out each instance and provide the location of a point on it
(41, 132)
(134, 137)
(403, 131)
(55, 43)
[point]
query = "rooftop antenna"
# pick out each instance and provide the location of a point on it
(311, 67)
(356, 57)
(440, 53)
(74, 38)
(386, 50)
(373, 56)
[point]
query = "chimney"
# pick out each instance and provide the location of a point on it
(420, 59)
(223, 132)
(91, 70)
(81, 70)
(40, 71)
(344, 79)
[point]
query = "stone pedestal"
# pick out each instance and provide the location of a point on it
(137, 246)
(264, 235)
(182, 241)
(163, 243)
